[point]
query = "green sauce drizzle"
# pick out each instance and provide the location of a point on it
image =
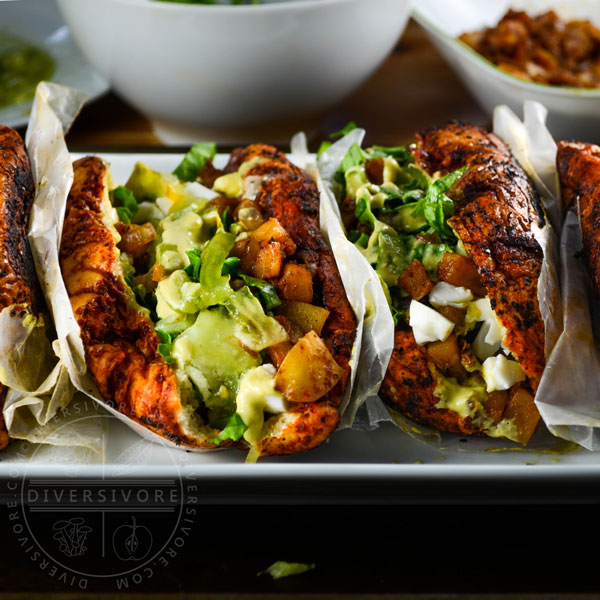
(21, 68)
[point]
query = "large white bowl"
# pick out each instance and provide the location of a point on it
(235, 65)
(573, 113)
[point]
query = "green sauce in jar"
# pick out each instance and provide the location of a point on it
(21, 68)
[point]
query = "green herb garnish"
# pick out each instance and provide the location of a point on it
(193, 269)
(436, 207)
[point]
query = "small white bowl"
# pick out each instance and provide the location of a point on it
(235, 65)
(574, 113)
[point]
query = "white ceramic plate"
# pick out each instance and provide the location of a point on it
(39, 23)
(573, 113)
(353, 467)
(381, 465)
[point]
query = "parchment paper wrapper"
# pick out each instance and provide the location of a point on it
(47, 227)
(36, 405)
(528, 140)
(375, 330)
(569, 393)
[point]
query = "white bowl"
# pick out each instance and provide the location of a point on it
(574, 113)
(235, 65)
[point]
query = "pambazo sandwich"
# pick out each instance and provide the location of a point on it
(448, 224)
(19, 288)
(210, 306)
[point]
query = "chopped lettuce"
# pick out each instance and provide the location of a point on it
(401, 213)
(282, 568)
(234, 430)
(193, 269)
(215, 288)
(125, 203)
(195, 159)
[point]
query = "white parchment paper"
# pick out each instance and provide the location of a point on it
(534, 148)
(39, 386)
(36, 405)
(47, 223)
(375, 325)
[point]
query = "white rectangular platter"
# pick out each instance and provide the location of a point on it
(383, 465)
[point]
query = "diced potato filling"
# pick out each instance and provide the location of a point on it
(522, 410)
(446, 356)
(263, 253)
(508, 401)
(306, 316)
(415, 280)
(460, 271)
(308, 371)
(296, 283)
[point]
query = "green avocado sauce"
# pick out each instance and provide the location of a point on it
(21, 68)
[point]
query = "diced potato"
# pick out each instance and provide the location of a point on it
(135, 239)
(249, 251)
(306, 316)
(296, 283)
(446, 357)
(294, 332)
(374, 170)
(523, 410)
(269, 261)
(454, 314)
(278, 352)
(82, 300)
(460, 271)
(265, 250)
(273, 231)
(415, 280)
(308, 371)
(495, 404)
(264, 262)
(240, 247)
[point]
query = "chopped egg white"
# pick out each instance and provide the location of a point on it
(164, 203)
(500, 373)
(194, 188)
(276, 404)
(427, 324)
(446, 294)
(491, 334)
